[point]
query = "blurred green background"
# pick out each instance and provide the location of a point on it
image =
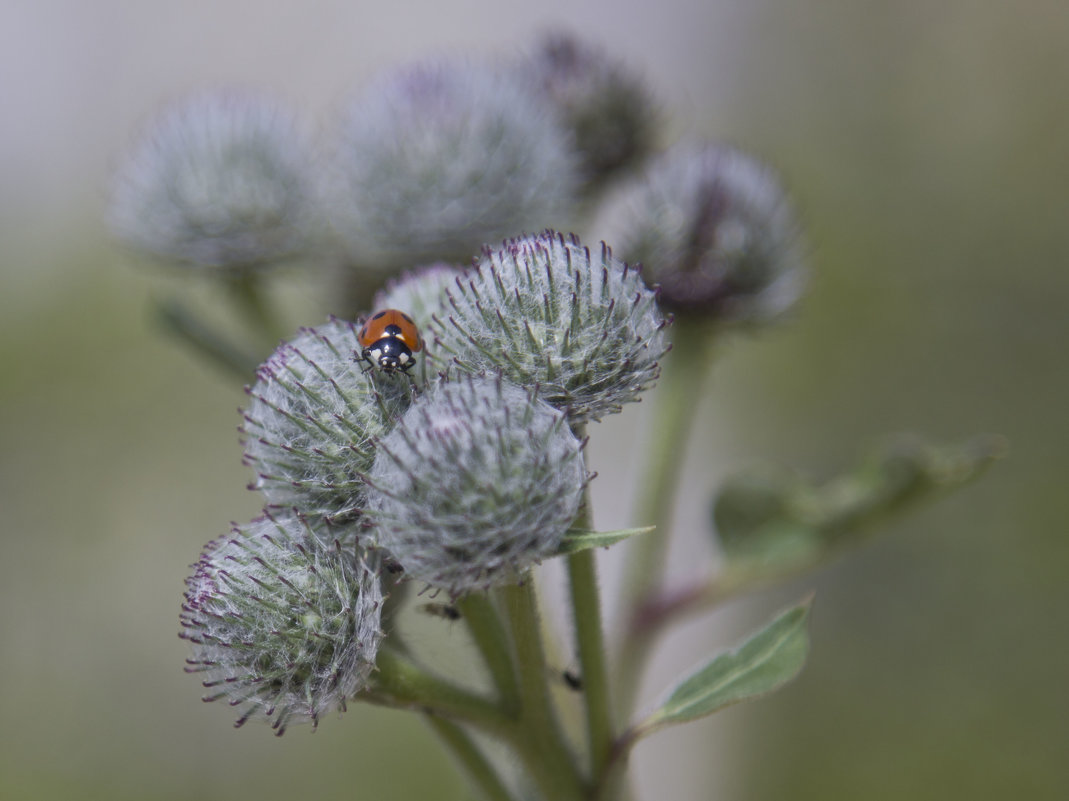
(924, 145)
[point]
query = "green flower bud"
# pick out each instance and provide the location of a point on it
(420, 292)
(315, 412)
(282, 626)
(712, 226)
(478, 481)
(609, 111)
(222, 180)
(582, 328)
(437, 159)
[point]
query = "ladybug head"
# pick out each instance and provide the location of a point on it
(389, 354)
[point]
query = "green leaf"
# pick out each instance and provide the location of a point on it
(576, 540)
(765, 662)
(775, 521)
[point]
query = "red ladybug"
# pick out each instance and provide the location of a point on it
(389, 339)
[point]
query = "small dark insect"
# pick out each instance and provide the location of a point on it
(444, 611)
(573, 680)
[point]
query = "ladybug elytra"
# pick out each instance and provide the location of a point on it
(388, 339)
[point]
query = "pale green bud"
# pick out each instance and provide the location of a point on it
(713, 228)
(283, 626)
(434, 160)
(220, 180)
(581, 328)
(477, 482)
(316, 410)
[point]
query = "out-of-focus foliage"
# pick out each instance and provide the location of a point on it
(925, 146)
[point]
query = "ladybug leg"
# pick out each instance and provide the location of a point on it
(361, 356)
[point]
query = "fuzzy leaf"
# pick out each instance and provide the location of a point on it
(765, 662)
(576, 540)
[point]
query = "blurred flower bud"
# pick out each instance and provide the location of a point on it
(478, 482)
(314, 414)
(221, 180)
(608, 109)
(435, 160)
(282, 627)
(712, 226)
(581, 328)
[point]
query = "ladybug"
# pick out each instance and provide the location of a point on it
(389, 339)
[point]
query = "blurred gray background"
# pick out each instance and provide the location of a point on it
(925, 146)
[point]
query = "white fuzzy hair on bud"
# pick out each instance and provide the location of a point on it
(479, 481)
(315, 412)
(220, 180)
(420, 292)
(435, 159)
(283, 627)
(580, 326)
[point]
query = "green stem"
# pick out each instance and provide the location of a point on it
(540, 742)
(677, 403)
(467, 753)
(491, 639)
(613, 782)
(247, 293)
(183, 324)
(586, 612)
(679, 389)
(402, 684)
(590, 643)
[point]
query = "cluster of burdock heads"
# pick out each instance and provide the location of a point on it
(431, 434)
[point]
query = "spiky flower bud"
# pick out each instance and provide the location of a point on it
(478, 482)
(582, 328)
(712, 226)
(608, 109)
(221, 180)
(420, 292)
(282, 626)
(436, 159)
(315, 412)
